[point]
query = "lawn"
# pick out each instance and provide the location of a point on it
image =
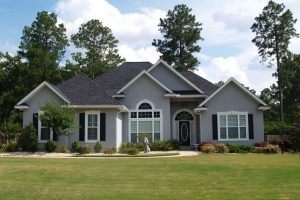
(232, 176)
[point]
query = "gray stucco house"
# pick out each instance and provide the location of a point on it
(139, 98)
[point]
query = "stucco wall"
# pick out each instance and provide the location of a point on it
(232, 98)
(145, 88)
(169, 78)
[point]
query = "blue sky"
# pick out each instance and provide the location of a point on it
(226, 51)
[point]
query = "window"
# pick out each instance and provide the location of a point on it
(145, 121)
(44, 133)
(233, 126)
(92, 124)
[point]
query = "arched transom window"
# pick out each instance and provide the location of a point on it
(184, 115)
(145, 120)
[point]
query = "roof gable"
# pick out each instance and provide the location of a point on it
(39, 87)
(140, 75)
(239, 85)
(175, 72)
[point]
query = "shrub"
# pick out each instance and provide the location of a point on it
(243, 148)
(125, 146)
(270, 148)
(164, 145)
(28, 139)
(277, 128)
(75, 147)
(98, 147)
(11, 147)
(62, 149)
(111, 150)
(50, 146)
(201, 144)
(208, 148)
(221, 148)
(84, 150)
(293, 140)
(133, 151)
(260, 144)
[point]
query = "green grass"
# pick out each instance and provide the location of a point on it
(216, 176)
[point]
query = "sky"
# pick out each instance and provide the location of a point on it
(227, 50)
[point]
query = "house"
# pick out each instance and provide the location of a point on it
(140, 99)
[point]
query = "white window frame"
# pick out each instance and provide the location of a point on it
(86, 126)
(40, 129)
(233, 113)
(137, 119)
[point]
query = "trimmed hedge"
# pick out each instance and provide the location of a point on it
(268, 149)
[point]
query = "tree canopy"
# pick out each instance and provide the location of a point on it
(274, 28)
(99, 46)
(181, 33)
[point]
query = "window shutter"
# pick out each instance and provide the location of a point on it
(102, 126)
(215, 126)
(81, 126)
(35, 121)
(250, 126)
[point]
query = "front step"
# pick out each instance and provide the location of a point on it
(185, 148)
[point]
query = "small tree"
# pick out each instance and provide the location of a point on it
(58, 118)
(10, 128)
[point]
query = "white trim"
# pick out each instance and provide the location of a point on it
(120, 107)
(40, 130)
(21, 107)
(176, 72)
(233, 113)
(40, 86)
(193, 130)
(119, 96)
(137, 119)
(138, 76)
(184, 96)
(86, 126)
(263, 108)
(239, 85)
(198, 110)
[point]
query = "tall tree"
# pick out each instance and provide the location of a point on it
(100, 48)
(274, 28)
(181, 32)
(43, 45)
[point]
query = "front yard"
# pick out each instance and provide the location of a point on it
(214, 176)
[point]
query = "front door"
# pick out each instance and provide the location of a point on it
(184, 133)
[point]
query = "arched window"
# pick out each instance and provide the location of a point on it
(145, 120)
(184, 115)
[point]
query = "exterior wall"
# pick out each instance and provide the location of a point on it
(232, 98)
(178, 106)
(169, 78)
(112, 118)
(145, 88)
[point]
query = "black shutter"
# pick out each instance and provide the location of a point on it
(35, 121)
(102, 126)
(81, 126)
(250, 126)
(215, 126)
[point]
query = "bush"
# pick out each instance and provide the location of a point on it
(243, 148)
(84, 150)
(270, 148)
(28, 139)
(50, 146)
(62, 149)
(75, 147)
(164, 145)
(208, 148)
(98, 147)
(260, 144)
(111, 150)
(201, 144)
(293, 140)
(133, 151)
(221, 148)
(125, 146)
(277, 128)
(11, 147)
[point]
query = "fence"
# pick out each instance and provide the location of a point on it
(269, 138)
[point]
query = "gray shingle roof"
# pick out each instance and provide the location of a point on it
(81, 90)
(206, 86)
(117, 78)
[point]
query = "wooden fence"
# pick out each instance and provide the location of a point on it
(269, 138)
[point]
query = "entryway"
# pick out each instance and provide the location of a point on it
(184, 126)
